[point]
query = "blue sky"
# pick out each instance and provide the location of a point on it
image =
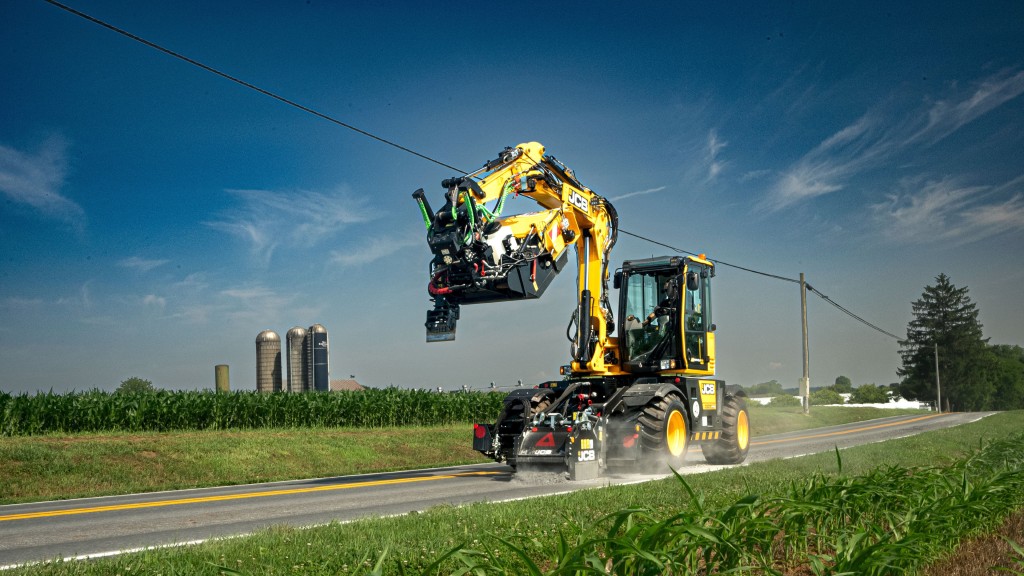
(156, 217)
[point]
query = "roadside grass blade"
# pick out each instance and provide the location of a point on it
(435, 566)
(533, 570)
(1019, 560)
(378, 568)
(226, 571)
(696, 500)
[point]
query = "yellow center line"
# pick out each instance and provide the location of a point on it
(842, 432)
(240, 496)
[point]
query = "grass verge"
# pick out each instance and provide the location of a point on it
(53, 467)
(414, 542)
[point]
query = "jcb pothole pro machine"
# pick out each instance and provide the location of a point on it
(636, 400)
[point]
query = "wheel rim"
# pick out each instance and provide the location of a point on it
(675, 433)
(742, 430)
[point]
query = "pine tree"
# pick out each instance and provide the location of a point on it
(946, 315)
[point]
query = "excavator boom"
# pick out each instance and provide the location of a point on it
(480, 256)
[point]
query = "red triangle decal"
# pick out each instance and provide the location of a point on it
(548, 441)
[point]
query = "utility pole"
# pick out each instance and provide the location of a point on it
(938, 385)
(805, 382)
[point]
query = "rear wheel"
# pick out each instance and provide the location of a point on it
(734, 442)
(664, 432)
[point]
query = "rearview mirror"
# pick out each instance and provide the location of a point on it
(692, 281)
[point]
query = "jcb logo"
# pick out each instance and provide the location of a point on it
(708, 388)
(577, 200)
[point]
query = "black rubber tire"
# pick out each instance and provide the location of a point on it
(734, 442)
(664, 433)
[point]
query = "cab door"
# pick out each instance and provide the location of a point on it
(696, 316)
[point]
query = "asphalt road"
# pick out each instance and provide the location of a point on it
(93, 527)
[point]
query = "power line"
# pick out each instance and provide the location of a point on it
(247, 84)
(721, 262)
(851, 314)
(333, 120)
(774, 276)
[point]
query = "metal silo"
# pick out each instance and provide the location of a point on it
(316, 356)
(298, 378)
(221, 378)
(268, 361)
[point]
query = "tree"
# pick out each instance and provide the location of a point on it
(770, 388)
(842, 385)
(825, 396)
(785, 400)
(135, 385)
(1006, 370)
(945, 315)
(869, 394)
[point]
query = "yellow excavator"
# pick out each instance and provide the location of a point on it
(636, 400)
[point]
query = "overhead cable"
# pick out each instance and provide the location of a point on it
(247, 84)
(851, 314)
(777, 277)
(721, 262)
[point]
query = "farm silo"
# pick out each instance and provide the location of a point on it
(317, 358)
(268, 361)
(298, 378)
(221, 378)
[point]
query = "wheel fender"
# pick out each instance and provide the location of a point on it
(643, 393)
(735, 390)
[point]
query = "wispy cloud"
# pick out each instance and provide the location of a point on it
(18, 303)
(141, 264)
(266, 219)
(638, 193)
(948, 210)
(196, 313)
(254, 302)
(81, 301)
(881, 135)
(827, 167)
(195, 282)
(979, 222)
(36, 180)
(371, 250)
(155, 301)
(714, 162)
(947, 116)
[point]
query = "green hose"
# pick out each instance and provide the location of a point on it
(426, 217)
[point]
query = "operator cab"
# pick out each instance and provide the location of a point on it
(665, 315)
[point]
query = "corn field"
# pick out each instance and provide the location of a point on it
(98, 411)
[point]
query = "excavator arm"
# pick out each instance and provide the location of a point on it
(480, 256)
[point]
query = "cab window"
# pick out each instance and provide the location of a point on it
(648, 310)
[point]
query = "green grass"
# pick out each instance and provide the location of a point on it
(767, 420)
(49, 467)
(559, 526)
(54, 467)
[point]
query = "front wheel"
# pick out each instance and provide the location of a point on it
(664, 432)
(732, 445)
